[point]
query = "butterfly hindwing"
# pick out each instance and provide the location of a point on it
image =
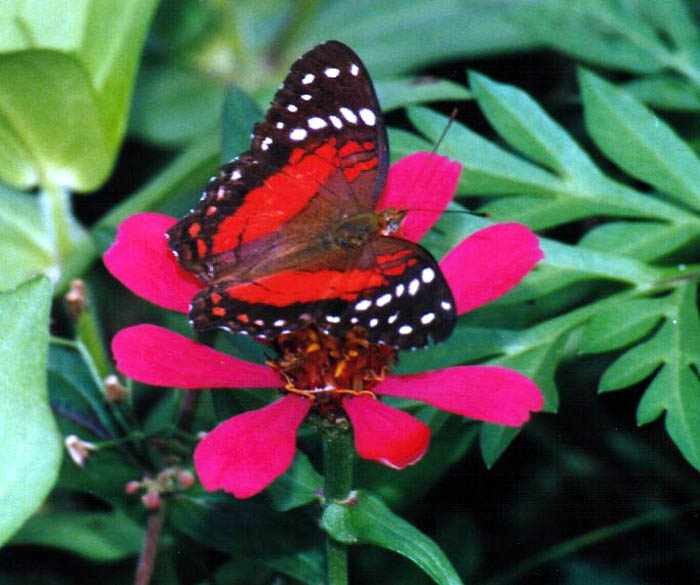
(395, 290)
(323, 135)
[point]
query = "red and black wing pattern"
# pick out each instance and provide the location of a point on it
(323, 136)
(393, 288)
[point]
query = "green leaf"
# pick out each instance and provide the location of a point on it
(638, 141)
(622, 324)
(66, 84)
(642, 240)
(675, 388)
(25, 248)
(30, 447)
(395, 36)
(611, 34)
(173, 106)
(240, 112)
(98, 536)
(298, 487)
(665, 92)
(528, 128)
(368, 521)
(399, 93)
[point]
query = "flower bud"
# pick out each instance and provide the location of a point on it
(78, 449)
(75, 298)
(114, 391)
(132, 487)
(151, 500)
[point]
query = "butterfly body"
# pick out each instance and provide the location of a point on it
(288, 233)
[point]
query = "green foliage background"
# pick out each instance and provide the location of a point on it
(579, 118)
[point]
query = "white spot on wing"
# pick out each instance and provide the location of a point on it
(393, 318)
(400, 288)
(280, 323)
(306, 96)
(427, 275)
(373, 322)
(413, 287)
(368, 116)
(427, 318)
(445, 305)
(349, 115)
(266, 143)
(354, 69)
(317, 123)
(279, 125)
(363, 305)
(335, 121)
(331, 72)
(385, 299)
(298, 134)
(332, 318)
(308, 78)
(405, 329)
(292, 108)
(235, 175)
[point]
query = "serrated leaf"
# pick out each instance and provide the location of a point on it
(636, 364)
(369, 521)
(642, 240)
(494, 440)
(522, 122)
(98, 536)
(65, 88)
(642, 144)
(399, 93)
(30, 446)
(665, 92)
(299, 486)
(622, 324)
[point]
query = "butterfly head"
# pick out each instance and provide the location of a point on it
(390, 220)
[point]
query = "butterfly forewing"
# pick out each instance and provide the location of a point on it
(323, 136)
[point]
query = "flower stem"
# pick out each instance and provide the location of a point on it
(338, 457)
(144, 570)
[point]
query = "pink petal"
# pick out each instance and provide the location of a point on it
(141, 260)
(490, 262)
(159, 357)
(246, 453)
(489, 393)
(422, 183)
(386, 434)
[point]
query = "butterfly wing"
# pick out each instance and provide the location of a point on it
(322, 145)
(392, 287)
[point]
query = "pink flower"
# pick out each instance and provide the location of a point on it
(244, 454)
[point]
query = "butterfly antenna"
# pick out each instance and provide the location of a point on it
(453, 115)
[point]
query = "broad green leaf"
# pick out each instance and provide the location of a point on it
(239, 114)
(25, 247)
(402, 143)
(186, 175)
(398, 93)
(638, 141)
(172, 106)
(66, 78)
(98, 536)
(75, 394)
(30, 447)
(664, 92)
(528, 128)
(621, 325)
(676, 19)
(368, 521)
(299, 486)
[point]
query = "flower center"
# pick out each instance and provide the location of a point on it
(324, 368)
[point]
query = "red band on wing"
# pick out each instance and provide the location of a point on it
(293, 286)
(282, 196)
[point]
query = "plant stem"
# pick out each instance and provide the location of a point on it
(154, 527)
(338, 457)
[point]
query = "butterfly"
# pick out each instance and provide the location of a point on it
(287, 233)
